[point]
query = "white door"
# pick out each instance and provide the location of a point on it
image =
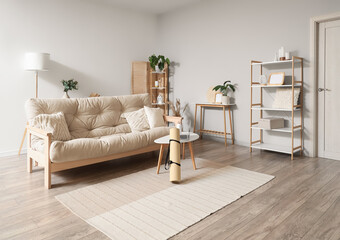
(329, 90)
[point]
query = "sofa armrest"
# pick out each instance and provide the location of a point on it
(173, 119)
(39, 132)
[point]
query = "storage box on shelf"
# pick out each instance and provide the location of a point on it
(293, 129)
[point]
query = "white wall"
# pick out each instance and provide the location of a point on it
(89, 41)
(213, 41)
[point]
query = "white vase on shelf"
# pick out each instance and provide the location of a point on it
(160, 99)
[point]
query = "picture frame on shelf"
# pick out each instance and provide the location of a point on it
(218, 97)
(276, 79)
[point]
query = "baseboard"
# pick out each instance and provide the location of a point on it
(220, 138)
(12, 153)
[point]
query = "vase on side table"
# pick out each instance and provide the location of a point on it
(66, 95)
(225, 100)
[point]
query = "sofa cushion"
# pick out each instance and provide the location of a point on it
(90, 117)
(85, 148)
(155, 117)
(137, 120)
(53, 123)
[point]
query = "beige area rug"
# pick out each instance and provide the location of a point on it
(144, 205)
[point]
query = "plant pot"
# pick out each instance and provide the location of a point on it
(225, 100)
(66, 95)
(157, 68)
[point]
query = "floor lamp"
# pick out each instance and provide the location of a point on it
(35, 62)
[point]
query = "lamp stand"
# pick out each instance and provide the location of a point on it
(36, 96)
(36, 84)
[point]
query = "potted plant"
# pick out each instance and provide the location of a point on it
(158, 63)
(224, 90)
(69, 85)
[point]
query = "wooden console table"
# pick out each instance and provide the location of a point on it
(215, 105)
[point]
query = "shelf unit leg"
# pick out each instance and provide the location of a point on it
(301, 110)
(292, 135)
(251, 104)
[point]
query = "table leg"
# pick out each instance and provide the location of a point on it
(225, 127)
(201, 123)
(231, 127)
(160, 157)
(195, 118)
(183, 150)
(192, 155)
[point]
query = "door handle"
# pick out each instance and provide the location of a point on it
(323, 89)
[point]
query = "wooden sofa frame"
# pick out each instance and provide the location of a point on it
(43, 158)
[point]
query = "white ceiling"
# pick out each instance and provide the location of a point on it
(151, 6)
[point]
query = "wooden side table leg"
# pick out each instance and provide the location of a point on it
(231, 127)
(160, 158)
(201, 123)
(195, 118)
(183, 150)
(192, 155)
(225, 127)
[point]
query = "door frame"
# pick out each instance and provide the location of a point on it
(314, 61)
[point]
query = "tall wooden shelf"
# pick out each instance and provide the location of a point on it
(162, 88)
(143, 79)
(295, 109)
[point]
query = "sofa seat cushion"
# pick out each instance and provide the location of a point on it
(85, 148)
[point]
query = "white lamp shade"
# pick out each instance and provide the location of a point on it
(37, 61)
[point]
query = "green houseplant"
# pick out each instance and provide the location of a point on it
(69, 85)
(224, 88)
(158, 63)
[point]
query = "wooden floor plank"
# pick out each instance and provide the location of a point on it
(328, 226)
(301, 220)
(28, 211)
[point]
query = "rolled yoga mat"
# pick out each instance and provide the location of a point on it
(175, 159)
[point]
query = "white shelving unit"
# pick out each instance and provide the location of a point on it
(275, 109)
(277, 86)
(274, 148)
(294, 129)
(286, 129)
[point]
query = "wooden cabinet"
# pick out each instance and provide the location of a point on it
(145, 80)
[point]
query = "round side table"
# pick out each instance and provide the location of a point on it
(185, 138)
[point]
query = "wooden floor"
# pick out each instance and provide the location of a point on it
(302, 202)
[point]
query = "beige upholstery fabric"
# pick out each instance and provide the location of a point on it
(84, 148)
(155, 117)
(90, 117)
(137, 120)
(53, 123)
(96, 126)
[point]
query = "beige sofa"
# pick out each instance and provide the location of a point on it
(98, 129)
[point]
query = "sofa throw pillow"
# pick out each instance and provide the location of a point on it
(283, 98)
(155, 117)
(54, 123)
(137, 120)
